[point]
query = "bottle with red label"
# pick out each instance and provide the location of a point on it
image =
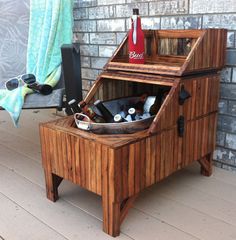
(136, 40)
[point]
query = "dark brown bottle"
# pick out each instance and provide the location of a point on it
(87, 110)
(139, 105)
(156, 105)
(74, 106)
(106, 114)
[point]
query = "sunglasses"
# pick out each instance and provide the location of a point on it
(14, 83)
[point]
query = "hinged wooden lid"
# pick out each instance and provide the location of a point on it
(175, 52)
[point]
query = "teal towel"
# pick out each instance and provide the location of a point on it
(50, 27)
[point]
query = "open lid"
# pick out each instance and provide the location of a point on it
(175, 52)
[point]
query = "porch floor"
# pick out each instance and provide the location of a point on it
(184, 206)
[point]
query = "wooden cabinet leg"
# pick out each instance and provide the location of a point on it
(206, 165)
(114, 214)
(52, 183)
(111, 217)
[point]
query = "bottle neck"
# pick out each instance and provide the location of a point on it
(137, 19)
(136, 26)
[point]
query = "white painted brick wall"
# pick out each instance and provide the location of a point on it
(168, 7)
(112, 25)
(212, 6)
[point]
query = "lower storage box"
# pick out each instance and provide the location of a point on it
(118, 166)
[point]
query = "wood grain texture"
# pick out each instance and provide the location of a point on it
(119, 166)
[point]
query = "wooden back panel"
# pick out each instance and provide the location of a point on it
(208, 53)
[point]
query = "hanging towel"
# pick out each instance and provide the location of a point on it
(50, 27)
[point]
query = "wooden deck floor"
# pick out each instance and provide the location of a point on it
(186, 206)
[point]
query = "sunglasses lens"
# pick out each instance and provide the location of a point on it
(29, 78)
(12, 84)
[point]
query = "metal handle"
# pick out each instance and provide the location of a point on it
(82, 124)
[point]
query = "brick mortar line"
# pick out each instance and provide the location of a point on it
(227, 148)
(225, 163)
(225, 131)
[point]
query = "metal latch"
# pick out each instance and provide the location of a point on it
(180, 123)
(183, 95)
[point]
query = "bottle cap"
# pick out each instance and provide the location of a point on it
(97, 102)
(82, 104)
(135, 11)
(131, 111)
(117, 118)
(71, 101)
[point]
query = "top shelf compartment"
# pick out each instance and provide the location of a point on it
(175, 52)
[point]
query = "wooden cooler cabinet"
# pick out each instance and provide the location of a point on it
(118, 167)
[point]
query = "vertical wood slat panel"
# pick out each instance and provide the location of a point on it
(143, 164)
(204, 98)
(92, 169)
(148, 162)
(131, 167)
(64, 159)
(163, 151)
(125, 171)
(137, 167)
(153, 150)
(98, 162)
(158, 157)
(54, 152)
(70, 158)
(76, 159)
(171, 158)
(105, 193)
(82, 161)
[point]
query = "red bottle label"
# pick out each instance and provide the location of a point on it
(136, 42)
(136, 56)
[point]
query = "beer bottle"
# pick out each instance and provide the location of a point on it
(118, 118)
(87, 110)
(139, 105)
(132, 113)
(74, 106)
(155, 106)
(106, 114)
(136, 39)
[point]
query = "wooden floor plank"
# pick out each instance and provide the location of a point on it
(20, 145)
(28, 124)
(208, 185)
(22, 165)
(137, 224)
(67, 219)
(185, 218)
(219, 173)
(18, 224)
(200, 201)
(140, 226)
